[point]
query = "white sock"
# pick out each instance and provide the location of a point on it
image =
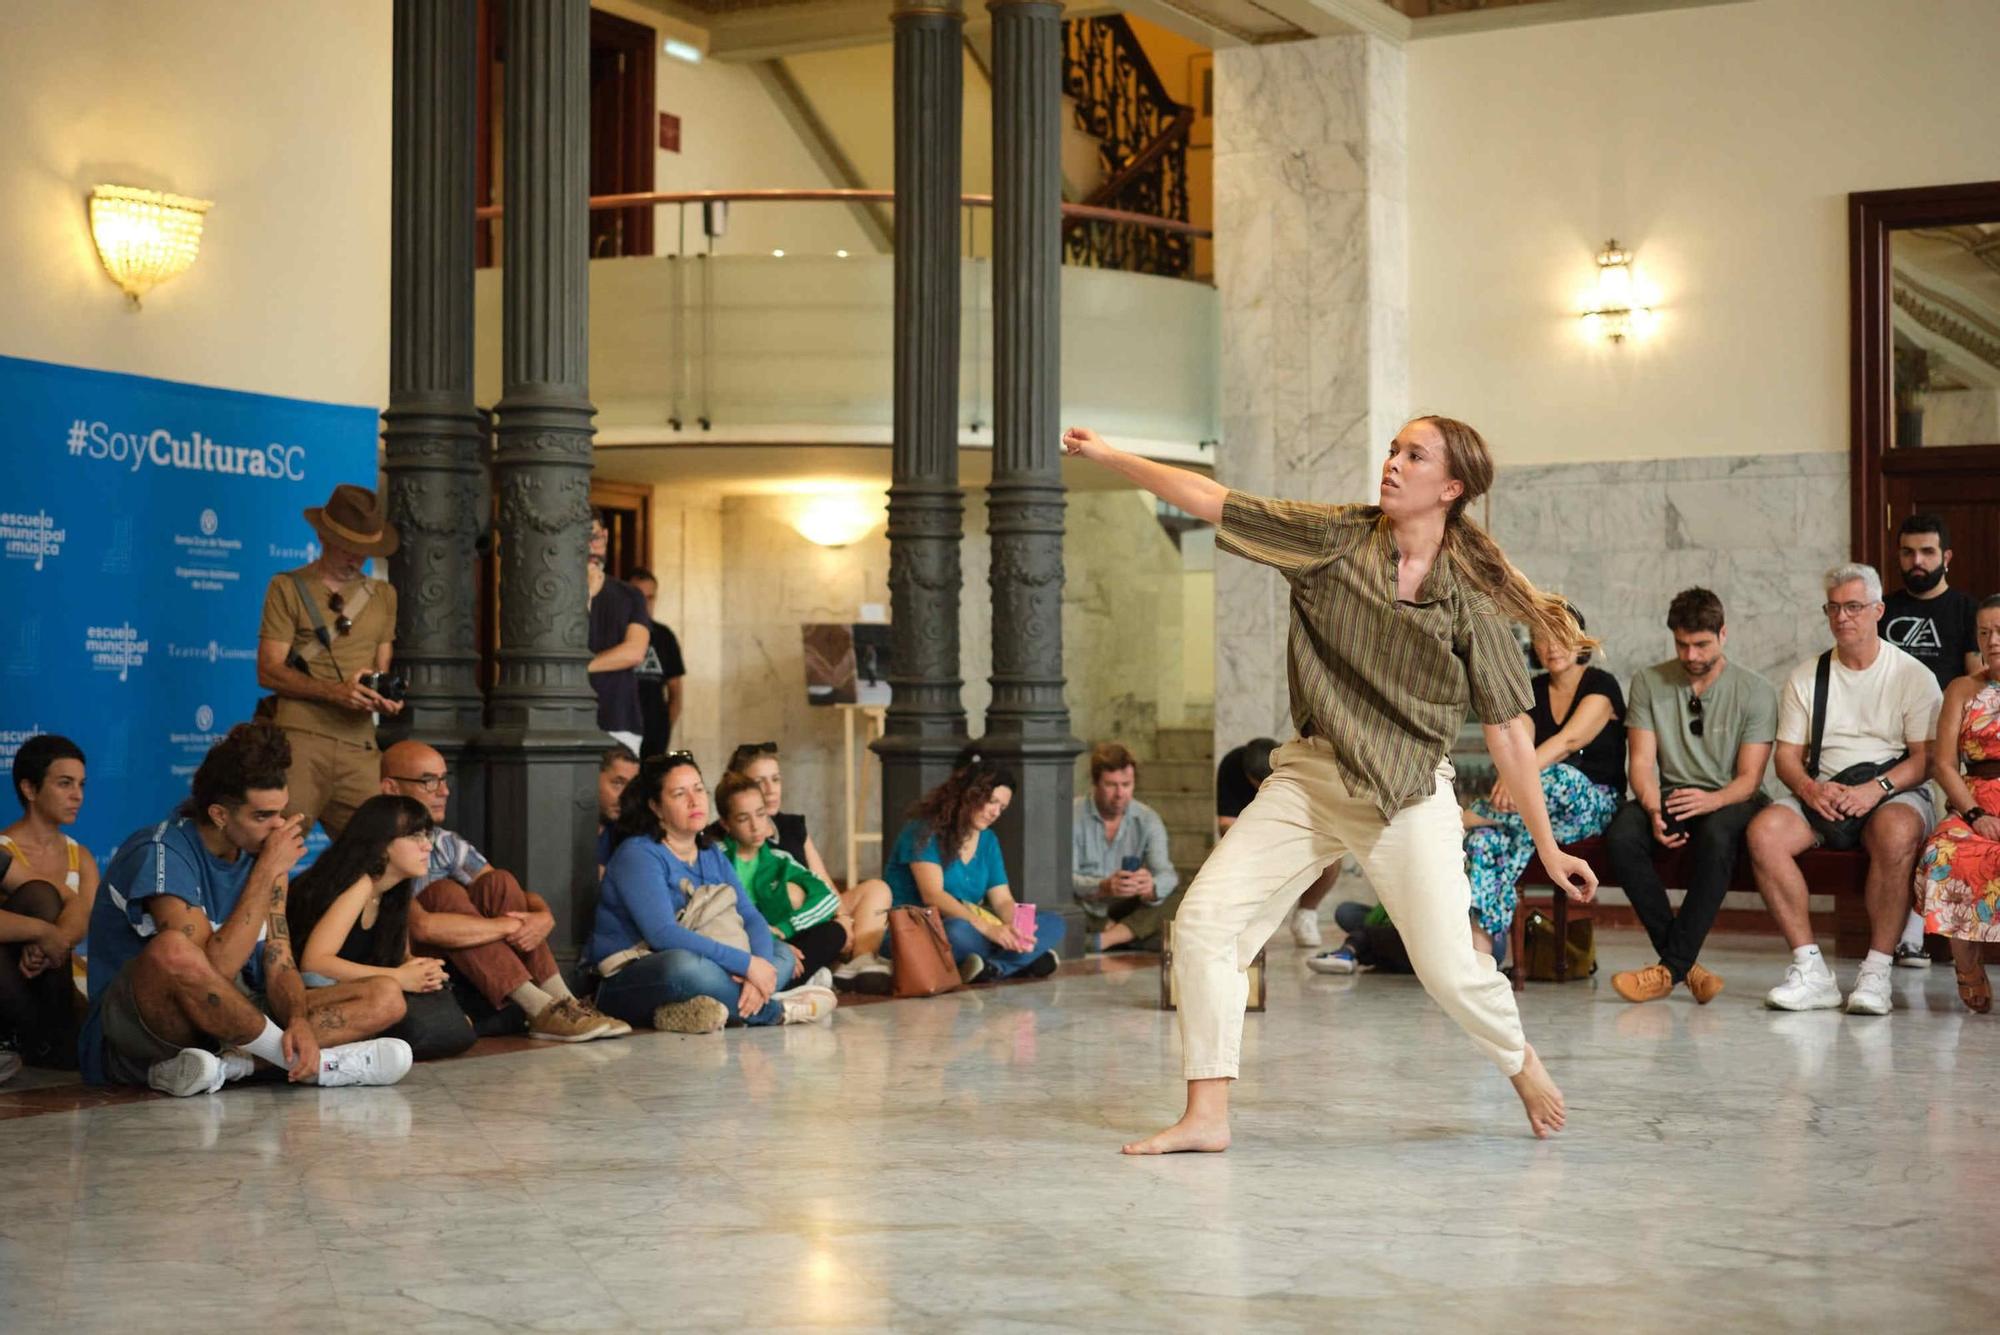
(1913, 931)
(1877, 962)
(555, 987)
(1808, 958)
(269, 1046)
(531, 999)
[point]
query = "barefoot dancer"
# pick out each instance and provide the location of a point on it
(1399, 617)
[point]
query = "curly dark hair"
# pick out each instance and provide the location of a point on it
(32, 761)
(253, 755)
(635, 806)
(362, 850)
(947, 809)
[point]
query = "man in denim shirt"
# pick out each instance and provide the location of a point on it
(1122, 875)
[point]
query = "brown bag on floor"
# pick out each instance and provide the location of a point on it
(1539, 956)
(922, 954)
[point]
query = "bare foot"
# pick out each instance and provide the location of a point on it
(1190, 1135)
(1539, 1095)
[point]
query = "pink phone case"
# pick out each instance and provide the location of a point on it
(1024, 920)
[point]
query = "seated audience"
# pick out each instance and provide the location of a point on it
(1579, 722)
(1373, 944)
(620, 633)
(351, 913)
(1122, 874)
(947, 857)
(616, 767)
(1958, 876)
(178, 922)
(1699, 732)
(864, 906)
(493, 932)
(1861, 782)
(1237, 778)
(677, 941)
(1932, 623)
(58, 881)
(801, 908)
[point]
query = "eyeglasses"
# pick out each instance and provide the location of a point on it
(430, 783)
(341, 623)
(1694, 713)
(1844, 609)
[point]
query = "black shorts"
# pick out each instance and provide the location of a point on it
(131, 1049)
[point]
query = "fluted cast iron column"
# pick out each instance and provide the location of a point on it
(541, 749)
(432, 443)
(1027, 725)
(926, 723)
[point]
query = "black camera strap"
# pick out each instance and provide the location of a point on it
(1822, 680)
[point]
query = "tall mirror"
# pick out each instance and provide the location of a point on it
(1944, 318)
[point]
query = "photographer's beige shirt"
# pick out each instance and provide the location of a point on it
(286, 618)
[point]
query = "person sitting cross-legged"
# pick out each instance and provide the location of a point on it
(54, 889)
(177, 979)
(493, 932)
(1124, 878)
(803, 910)
(677, 940)
(948, 858)
(1958, 876)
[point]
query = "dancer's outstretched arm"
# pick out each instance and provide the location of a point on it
(1185, 490)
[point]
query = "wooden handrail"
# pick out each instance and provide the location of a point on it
(1082, 212)
(1177, 129)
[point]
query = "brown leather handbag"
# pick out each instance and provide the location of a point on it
(922, 953)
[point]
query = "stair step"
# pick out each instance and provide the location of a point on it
(1183, 812)
(1185, 744)
(1191, 778)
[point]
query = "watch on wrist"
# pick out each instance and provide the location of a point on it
(1975, 812)
(1887, 786)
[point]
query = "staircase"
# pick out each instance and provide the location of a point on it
(1141, 137)
(1178, 781)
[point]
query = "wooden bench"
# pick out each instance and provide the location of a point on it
(1844, 875)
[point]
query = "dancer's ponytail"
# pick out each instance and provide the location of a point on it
(1478, 559)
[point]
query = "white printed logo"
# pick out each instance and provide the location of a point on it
(1915, 634)
(31, 537)
(115, 649)
(208, 523)
(203, 559)
(204, 719)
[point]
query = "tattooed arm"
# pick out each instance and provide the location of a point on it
(286, 990)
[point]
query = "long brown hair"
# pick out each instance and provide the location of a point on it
(1476, 558)
(947, 809)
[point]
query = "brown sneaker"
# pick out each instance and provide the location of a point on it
(613, 1027)
(696, 1015)
(1647, 984)
(567, 1021)
(1705, 985)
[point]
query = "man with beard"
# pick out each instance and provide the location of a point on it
(1698, 734)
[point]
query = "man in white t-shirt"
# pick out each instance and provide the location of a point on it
(1882, 708)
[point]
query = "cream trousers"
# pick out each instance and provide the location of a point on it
(1301, 820)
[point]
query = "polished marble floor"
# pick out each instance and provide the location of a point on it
(951, 1165)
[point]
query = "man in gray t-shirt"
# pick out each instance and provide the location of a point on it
(1698, 734)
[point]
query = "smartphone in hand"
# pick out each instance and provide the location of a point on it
(1024, 921)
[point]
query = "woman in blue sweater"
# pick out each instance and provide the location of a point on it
(677, 940)
(949, 859)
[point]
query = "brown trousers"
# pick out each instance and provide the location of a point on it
(495, 968)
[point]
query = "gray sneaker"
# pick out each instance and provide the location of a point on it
(189, 1072)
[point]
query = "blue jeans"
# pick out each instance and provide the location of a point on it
(966, 940)
(652, 981)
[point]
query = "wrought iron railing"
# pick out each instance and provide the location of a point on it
(1142, 139)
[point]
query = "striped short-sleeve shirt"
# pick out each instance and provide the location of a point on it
(1386, 683)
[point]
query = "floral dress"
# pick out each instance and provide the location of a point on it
(1958, 876)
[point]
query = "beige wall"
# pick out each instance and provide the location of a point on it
(1720, 143)
(279, 112)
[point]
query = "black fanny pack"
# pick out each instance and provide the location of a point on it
(1844, 833)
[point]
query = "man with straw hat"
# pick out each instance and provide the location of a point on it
(324, 649)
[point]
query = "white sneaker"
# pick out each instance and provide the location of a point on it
(809, 1004)
(1339, 961)
(821, 977)
(1305, 928)
(237, 1065)
(192, 1071)
(1805, 990)
(374, 1061)
(1871, 994)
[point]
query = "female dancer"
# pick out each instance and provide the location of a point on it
(1399, 617)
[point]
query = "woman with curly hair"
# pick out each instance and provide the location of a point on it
(948, 858)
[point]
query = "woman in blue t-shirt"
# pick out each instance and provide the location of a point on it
(678, 941)
(968, 885)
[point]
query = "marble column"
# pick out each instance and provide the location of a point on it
(1027, 725)
(433, 447)
(542, 746)
(1312, 270)
(926, 721)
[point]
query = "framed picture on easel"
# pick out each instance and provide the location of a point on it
(847, 664)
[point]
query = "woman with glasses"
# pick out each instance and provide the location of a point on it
(864, 906)
(677, 940)
(351, 911)
(1579, 720)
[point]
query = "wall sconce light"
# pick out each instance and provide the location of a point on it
(144, 237)
(836, 520)
(1617, 307)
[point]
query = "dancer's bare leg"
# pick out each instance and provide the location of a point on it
(1540, 1097)
(1204, 1127)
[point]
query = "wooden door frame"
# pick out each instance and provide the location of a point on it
(1871, 217)
(634, 499)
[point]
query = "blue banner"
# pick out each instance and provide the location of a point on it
(144, 520)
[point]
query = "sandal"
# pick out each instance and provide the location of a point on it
(1973, 989)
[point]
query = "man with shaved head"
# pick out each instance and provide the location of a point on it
(476, 916)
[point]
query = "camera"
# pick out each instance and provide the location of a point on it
(387, 685)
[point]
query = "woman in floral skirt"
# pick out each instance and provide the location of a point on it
(1958, 876)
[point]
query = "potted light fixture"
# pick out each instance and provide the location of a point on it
(1616, 308)
(144, 237)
